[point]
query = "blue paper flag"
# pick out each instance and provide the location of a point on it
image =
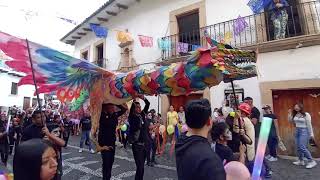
(258, 5)
(164, 44)
(100, 31)
(195, 47)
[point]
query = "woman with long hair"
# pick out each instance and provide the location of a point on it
(304, 131)
(35, 159)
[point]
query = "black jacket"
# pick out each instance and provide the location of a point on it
(138, 130)
(107, 128)
(4, 143)
(196, 160)
(31, 132)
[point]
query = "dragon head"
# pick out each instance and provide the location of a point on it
(235, 64)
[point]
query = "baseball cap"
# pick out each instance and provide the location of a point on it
(266, 106)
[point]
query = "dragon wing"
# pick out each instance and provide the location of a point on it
(54, 71)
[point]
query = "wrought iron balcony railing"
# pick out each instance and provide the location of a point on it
(299, 20)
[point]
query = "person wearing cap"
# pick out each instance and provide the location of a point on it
(274, 135)
(254, 115)
(246, 127)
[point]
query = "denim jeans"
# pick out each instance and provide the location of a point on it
(272, 145)
(302, 139)
(85, 137)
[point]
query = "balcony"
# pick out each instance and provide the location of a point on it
(101, 63)
(252, 32)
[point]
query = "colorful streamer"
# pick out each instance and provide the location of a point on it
(261, 148)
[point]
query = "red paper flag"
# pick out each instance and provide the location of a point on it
(146, 41)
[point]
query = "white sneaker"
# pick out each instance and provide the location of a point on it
(273, 159)
(299, 163)
(268, 157)
(92, 151)
(80, 150)
(311, 164)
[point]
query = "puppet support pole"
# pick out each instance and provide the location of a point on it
(34, 80)
(234, 94)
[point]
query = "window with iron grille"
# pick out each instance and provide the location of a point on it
(14, 88)
(188, 25)
(100, 55)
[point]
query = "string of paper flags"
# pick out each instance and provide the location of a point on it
(239, 26)
(164, 44)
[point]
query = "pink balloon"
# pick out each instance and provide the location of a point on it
(237, 171)
(184, 128)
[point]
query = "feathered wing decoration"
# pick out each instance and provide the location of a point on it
(54, 71)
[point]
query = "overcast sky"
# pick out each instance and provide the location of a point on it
(42, 25)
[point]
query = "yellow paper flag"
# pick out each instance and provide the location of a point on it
(123, 36)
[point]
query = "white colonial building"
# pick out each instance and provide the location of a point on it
(288, 68)
(11, 94)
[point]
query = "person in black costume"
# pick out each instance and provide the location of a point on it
(107, 135)
(138, 134)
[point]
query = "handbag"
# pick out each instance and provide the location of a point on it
(312, 143)
(281, 146)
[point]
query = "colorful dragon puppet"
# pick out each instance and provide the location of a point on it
(76, 80)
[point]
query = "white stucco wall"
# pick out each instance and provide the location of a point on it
(301, 63)
(250, 86)
(6, 99)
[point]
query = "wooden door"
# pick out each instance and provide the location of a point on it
(26, 103)
(178, 101)
(283, 101)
